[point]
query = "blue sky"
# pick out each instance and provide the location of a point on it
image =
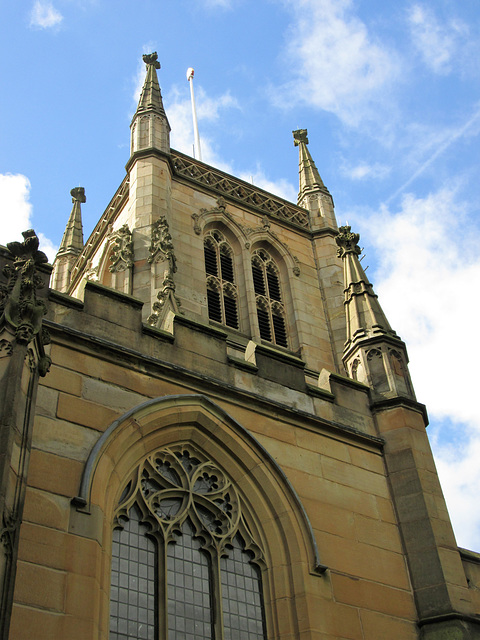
(389, 93)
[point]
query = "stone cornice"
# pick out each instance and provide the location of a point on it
(239, 191)
(400, 401)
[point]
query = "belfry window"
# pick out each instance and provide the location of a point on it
(270, 308)
(222, 292)
(184, 562)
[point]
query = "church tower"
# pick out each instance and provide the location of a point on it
(210, 429)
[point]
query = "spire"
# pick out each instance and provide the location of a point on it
(365, 317)
(150, 127)
(151, 96)
(71, 245)
(313, 194)
(373, 352)
(72, 241)
(310, 179)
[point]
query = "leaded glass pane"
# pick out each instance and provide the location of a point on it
(133, 590)
(243, 616)
(188, 587)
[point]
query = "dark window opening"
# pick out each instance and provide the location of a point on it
(221, 287)
(270, 310)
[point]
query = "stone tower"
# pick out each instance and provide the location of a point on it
(227, 444)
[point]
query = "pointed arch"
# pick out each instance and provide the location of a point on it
(228, 297)
(211, 217)
(263, 236)
(272, 293)
(271, 507)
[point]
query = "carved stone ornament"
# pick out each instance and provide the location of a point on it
(91, 272)
(78, 195)
(151, 58)
(19, 307)
(347, 242)
(196, 226)
(122, 252)
(6, 348)
(220, 208)
(7, 532)
(300, 135)
(165, 295)
(161, 247)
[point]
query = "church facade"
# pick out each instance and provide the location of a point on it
(208, 428)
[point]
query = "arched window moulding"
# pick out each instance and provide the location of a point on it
(165, 421)
(249, 235)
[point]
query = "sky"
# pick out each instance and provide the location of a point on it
(390, 96)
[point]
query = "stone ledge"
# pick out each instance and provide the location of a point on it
(242, 364)
(154, 332)
(470, 556)
(65, 300)
(280, 355)
(400, 401)
(200, 326)
(108, 292)
(320, 393)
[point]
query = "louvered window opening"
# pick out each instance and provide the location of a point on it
(270, 309)
(221, 288)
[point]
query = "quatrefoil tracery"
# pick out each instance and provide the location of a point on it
(177, 483)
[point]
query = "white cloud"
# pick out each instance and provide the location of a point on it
(282, 187)
(14, 195)
(460, 476)
(339, 67)
(365, 171)
(428, 268)
(181, 122)
(436, 43)
(44, 15)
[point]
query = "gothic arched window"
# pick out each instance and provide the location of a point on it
(184, 562)
(221, 288)
(270, 308)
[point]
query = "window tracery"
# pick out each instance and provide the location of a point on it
(184, 561)
(222, 293)
(270, 307)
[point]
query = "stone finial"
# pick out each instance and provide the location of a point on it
(78, 195)
(300, 135)
(347, 242)
(151, 58)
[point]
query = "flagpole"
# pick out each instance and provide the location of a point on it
(190, 74)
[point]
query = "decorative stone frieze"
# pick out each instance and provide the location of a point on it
(238, 190)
